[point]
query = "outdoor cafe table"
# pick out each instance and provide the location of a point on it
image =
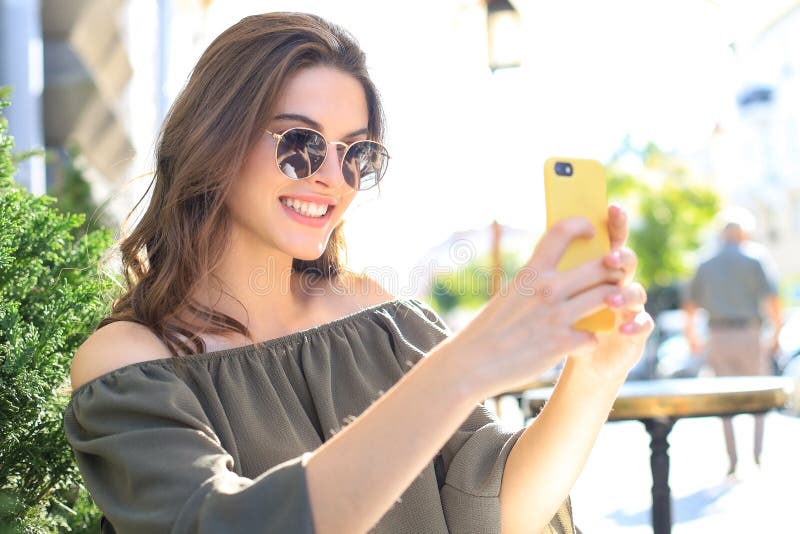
(659, 403)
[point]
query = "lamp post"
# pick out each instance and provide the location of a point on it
(504, 34)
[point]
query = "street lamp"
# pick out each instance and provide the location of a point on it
(504, 34)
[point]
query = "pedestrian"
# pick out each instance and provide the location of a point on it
(247, 381)
(737, 287)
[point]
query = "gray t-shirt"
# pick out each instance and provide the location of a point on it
(217, 442)
(732, 283)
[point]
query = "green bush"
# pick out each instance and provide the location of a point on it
(51, 296)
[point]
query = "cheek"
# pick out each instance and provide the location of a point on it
(254, 189)
(259, 176)
(345, 203)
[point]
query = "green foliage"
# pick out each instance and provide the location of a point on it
(667, 218)
(73, 192)
(51, 296)
(469, 287)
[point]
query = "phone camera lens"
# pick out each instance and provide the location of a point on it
(563, 169)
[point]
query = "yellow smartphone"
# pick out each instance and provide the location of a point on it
(577, 187)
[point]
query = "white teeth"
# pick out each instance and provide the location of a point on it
(309, 209)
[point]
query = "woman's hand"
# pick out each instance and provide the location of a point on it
(526, 328)
(619, 349)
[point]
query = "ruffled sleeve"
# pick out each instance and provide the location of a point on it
(473, 461)
(152, 462)
(470, 465)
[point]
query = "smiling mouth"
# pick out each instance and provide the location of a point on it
(310, 210)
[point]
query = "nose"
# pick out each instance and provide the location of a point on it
(330, 173)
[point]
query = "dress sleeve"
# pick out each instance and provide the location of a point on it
(152, 462)
(470, 465)
(472, 462)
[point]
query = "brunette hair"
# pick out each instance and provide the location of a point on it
(208, 132)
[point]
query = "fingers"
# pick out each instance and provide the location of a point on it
(617, 226)
(587, 275)
(555, 241)
(624, 259)
(628, 301)
(639, 324)
(630, 298)
(618, 266)
(588, 302)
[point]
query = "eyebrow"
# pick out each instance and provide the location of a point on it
(314, 124)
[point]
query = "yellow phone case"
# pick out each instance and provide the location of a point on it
(581, 194)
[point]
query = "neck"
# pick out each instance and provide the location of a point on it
(256, 286)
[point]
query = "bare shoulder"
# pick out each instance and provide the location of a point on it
(353, 292)
(113, 346)
(368, 292)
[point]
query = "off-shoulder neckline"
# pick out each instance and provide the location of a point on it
(250, 347)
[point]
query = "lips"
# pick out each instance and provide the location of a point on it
(316, 222)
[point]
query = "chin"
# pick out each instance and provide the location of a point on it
(306, 254)
(302, 246)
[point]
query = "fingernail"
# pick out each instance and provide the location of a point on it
(618, 207)
(616, 257)
(616, 300)
(628, 328)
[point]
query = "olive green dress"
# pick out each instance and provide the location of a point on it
(217, 442)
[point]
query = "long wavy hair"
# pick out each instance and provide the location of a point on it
(205, 138)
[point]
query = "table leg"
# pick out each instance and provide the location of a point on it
(659, 465)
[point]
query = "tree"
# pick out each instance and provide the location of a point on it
(468, 287)
(51, 296)
(669, 213)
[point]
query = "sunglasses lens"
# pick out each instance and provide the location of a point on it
(300, 152)
(365, 164)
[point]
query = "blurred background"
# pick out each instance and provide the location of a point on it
(702, 95)
(691, 105)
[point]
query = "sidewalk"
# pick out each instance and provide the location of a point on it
(612, 494)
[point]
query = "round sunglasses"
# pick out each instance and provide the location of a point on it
(300, 153)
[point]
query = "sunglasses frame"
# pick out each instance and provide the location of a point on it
(279, 136)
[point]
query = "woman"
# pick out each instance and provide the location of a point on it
(247, 382)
